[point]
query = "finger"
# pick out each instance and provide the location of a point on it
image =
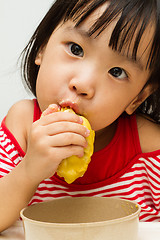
(51, 109)
(61, 153)
(67, 139)
(60, 116)
(61, 127)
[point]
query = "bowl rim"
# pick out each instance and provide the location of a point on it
(87, 224)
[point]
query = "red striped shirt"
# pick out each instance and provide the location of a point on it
(137, 178)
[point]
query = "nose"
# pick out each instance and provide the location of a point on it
(84, 83)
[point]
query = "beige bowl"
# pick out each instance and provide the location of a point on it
(83, 218)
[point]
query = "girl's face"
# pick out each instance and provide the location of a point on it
(84, 73)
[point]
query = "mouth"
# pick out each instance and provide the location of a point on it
(70, 104)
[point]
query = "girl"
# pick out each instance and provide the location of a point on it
(102, 59)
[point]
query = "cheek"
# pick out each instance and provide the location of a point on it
(103, 119)
(107, 109)
(44, 88)
(46, 76)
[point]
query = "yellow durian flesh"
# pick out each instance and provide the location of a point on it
(74, 167)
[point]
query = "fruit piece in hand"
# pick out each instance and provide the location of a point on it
(74, 167)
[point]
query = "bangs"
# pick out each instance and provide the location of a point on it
(133, 17)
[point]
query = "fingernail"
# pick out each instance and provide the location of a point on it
(87, 133)
(80, 120)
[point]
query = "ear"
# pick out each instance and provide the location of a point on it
(38, 59)
(140, 98)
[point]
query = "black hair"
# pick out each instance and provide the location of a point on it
(135, 16)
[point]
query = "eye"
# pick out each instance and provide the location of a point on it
(118, 73)
(75, 49)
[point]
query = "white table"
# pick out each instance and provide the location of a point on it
(147, 231)
(16, 232)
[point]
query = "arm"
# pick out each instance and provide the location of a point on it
(16, 190)
(48, 141)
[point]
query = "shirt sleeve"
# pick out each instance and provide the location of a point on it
(9, 156)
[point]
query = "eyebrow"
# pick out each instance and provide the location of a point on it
(138, 64)
(86, 34)
(79, 31)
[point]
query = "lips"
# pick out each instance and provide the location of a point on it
(70, 104)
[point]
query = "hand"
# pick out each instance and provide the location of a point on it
(53, 138)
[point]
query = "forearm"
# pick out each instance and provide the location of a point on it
(51, 139)
(16, 190)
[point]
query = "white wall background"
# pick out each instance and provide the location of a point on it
(18, 20)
